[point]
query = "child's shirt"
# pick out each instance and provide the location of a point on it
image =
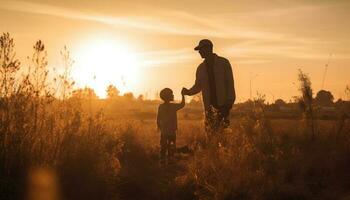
(167, 118)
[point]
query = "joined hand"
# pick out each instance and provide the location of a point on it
(184, 91)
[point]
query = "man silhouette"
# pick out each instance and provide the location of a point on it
(214, 79)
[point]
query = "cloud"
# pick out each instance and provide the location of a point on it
(259, 50)
(250, 40)
(160, 21)
(149, 23)
(166, 56)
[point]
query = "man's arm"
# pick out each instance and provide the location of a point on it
(230, 86)
(197, 87)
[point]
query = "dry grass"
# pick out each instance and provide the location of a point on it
(52, 147)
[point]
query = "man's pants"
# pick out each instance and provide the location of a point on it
(167, 145)
(216, 119)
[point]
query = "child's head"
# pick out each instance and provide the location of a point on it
(166, 95)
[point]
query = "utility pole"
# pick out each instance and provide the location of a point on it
(325, 71)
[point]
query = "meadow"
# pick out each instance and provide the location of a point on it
(57, 143)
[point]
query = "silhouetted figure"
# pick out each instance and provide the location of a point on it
(167, 124)
(214, 79)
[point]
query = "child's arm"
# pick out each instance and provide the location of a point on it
(182, 104)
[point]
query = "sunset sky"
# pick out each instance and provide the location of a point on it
(143, 46)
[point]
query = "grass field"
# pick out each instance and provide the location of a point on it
(55, 144)
(259, 159)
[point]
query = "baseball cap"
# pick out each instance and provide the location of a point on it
(204, 43)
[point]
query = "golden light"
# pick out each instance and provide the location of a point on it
(103, 62)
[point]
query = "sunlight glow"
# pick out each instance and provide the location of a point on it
(103, 62)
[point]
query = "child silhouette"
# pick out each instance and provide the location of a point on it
(167, 124)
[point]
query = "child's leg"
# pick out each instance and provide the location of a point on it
(163, 147)
(172, 145)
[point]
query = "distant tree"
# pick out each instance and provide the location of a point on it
(197, 99)
(140, 97)
(347, 91)
(129, 96)
(112, 92)
(280, 102)
(339, 101)
(84, 93)
(193, 101)
(324, 98)
(156, 96)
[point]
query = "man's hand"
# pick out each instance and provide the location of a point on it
(184, 91)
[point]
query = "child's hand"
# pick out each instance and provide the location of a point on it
(184, 91)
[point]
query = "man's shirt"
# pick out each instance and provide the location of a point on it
(224, 83)
(211, 79)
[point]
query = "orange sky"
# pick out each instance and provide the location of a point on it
(271, 39)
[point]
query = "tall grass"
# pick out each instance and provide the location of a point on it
(258, 163)
(51, 146)
(38, 130)
(306, 100)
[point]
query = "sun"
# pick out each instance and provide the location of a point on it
(103, 62)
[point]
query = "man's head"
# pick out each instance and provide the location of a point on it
(166, 95)
(205, 48)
